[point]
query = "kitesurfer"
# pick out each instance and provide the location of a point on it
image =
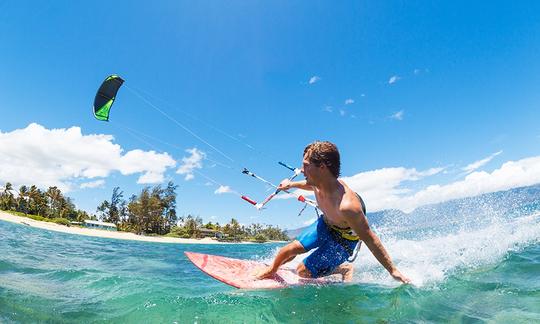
(342, 226)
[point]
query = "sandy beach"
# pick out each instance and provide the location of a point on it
(103, 233)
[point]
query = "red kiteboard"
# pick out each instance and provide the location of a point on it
(241, 273)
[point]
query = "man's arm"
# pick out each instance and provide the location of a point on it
(287, 184)
(358, 222)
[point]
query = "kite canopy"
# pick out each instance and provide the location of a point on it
(105, 96)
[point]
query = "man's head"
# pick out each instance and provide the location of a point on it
(323, 156)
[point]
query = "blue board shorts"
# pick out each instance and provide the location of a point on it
(330, 253)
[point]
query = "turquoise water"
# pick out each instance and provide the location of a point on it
(488, 270)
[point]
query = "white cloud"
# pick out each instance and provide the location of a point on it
(314, 79)
(478, 164)
(363, 95)
(349, 101)
(379, 184)
(342, 112)
(398, 115)
(93, 184)
(191, 163)
(58, 157)
(151, 177)
(511, 174)
(387, 188)
(153, 165)
(383, 186)
(222, 190)
(420, 71)
(382, 189)
(328, 109)
(394, 79)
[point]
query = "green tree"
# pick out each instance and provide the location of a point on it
(55, 202)
(192, 225)
(112, 211)
(7, 200)
(37, 201)
(22, 199)
(169, 205)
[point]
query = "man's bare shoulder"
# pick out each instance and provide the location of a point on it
(350, 204)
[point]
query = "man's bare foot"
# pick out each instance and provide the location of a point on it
(346, 270)
(265, 273)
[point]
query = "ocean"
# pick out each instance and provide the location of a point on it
(472, 260)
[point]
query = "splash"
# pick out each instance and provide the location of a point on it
(431, 260)
(438, 241)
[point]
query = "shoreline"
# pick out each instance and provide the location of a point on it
(106, 234)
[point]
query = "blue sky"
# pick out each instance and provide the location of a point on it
(427, 101)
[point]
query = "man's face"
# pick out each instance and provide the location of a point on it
(309, 170)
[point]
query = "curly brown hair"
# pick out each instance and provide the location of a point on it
(324, 152)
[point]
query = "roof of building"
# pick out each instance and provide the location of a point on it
(88, 221)
(207, 230)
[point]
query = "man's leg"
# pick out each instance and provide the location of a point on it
(285, 254)
(346, 270)
(302, 271)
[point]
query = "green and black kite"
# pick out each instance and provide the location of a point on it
(105, 96)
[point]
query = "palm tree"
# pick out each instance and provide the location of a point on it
(55, 201)
(37, 203)
(22, 202)
(7, 201)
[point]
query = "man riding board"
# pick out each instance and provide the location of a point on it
(342, 226)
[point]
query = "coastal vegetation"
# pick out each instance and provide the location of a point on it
(49, 205)
(151, 212)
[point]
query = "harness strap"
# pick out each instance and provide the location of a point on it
(342, 235)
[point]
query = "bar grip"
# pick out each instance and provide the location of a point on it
(249, 200)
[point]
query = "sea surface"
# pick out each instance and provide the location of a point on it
(472, 260)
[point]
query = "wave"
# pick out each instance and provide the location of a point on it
(437, 241)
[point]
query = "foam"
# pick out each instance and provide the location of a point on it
(429, 260)
(442, 248)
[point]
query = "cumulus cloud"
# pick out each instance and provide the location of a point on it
(398, 115)
(314, 79)
(384, 188)
(394, 79)
(138, 161)
(93, 184)
(511, 174)
(191, 163)
(222, 190)
(59, 157)
(478, 164)
(349, 101)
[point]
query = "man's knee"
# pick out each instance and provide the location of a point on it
(294, 248)
(302, 271)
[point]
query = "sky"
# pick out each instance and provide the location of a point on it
(427, 101)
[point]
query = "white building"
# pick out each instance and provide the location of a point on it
(99, 225)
